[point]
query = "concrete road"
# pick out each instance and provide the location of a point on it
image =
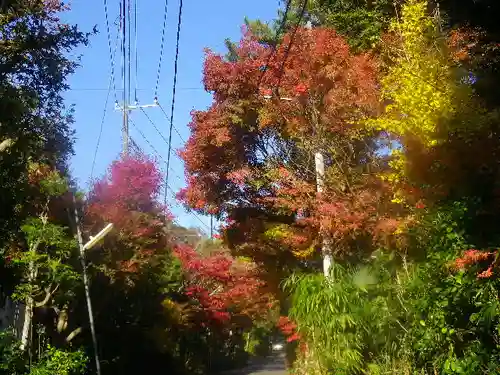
(274, 365)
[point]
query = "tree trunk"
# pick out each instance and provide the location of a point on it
(28, 310)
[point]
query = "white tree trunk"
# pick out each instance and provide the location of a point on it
(28, 310)
(320, 184)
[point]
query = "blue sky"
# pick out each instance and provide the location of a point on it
(205, 24)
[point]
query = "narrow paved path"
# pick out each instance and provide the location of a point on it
(274, 365)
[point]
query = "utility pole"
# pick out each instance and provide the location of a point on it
(319, 162)
(86, 286)
(126, 109)
(126, 48)
(320, 183)
(126, 78)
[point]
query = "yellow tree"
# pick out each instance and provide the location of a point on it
(427, 97)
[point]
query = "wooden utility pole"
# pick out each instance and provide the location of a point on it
(126, 77)
(126, 49)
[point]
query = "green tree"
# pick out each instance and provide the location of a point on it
(42, 256)
(35, 124)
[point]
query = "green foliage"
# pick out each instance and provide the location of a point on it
(264, 32)
(36, 49)
(361, 22)
(54, 361)
(345, 317)
(54, 185)
(258, 338)
(13, 359)
(411, 314)
(49, 249)
(455, 315)
(51, 361)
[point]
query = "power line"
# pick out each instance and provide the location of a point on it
(152, 147)
(136, 48)
(124, 72)
(289, 47)
(179, 22)
(191, 212)
(165, 185)
(111, 83)
(106, 15)
(201, 221)
(276, 40)
(135, 147)
(154, 126)
(162, 47)
(173, 126)
(129, 65)
(138, 89)
(100, 130)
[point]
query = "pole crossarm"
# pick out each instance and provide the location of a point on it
(136, 105)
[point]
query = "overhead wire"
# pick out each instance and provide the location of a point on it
(112, 82)
(174, 86)
(106, 16)
(124, 19)
(134, 146)
(138, 89)
(194, 215)
(154, 126)
(141, 133)
(276, 40)
(129, 65)
(165, 185)
(135, 50)
(123, 50)
(162, 48)
(100, 129)
(173, 126)
(290, 44)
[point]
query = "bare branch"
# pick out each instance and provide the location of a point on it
(73, 333)
(48, 296)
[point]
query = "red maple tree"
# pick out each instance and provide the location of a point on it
(224, 288)
(251, 154)
(127, 197)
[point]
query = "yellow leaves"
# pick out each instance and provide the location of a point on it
(425, 99)
(244, 259)
(415, 24)
(175, 311)
(419, 85)
(168, 304)
(277, 232)
(300, 245)
(305, 253)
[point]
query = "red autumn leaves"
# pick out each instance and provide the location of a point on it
(288, 328)
(473, 257)
(223, 286)
(233, 143)
(127, 197)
